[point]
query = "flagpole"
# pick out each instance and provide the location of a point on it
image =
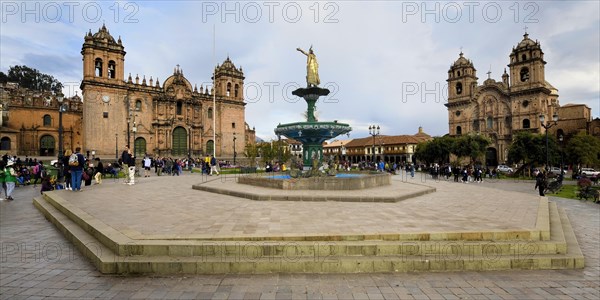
(214, 98)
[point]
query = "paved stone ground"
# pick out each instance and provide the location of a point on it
(37, 262)
(199, 214)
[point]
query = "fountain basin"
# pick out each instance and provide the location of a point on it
(343, 181)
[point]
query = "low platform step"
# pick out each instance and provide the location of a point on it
(381, 256)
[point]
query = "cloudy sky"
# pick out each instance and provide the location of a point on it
(385, 62)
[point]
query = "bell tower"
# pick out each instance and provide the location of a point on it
(527, 66)
(229, 81)
(103, 57)
(104, 88)
(462, 80)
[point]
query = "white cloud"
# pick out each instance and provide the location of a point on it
(373, 51)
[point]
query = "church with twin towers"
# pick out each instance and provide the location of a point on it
(500, 109)
(168, 118)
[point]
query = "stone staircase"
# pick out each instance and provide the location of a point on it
(550, 245)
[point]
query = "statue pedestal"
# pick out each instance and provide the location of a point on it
(311, 133)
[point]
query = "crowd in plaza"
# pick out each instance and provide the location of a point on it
(75, 170)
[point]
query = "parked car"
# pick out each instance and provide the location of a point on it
(504, 168)
(556, 171)
(54, 163)
(589, 172)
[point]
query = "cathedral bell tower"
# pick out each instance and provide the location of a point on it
(103, 57)
(229, 81)
(103, 89)
(527, 66)
(462, 80)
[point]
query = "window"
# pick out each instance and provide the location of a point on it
(5, 143)
(476, 125)
(210, 147)
(524, 74)
(458, 88)
(233, 125)
(490, 122)
(458, 130)
(179, 108)
(47, 120)
(228, 89)
(457, 73)
(210, 113)
(111, 69)
(524, 57)
(236, 91)
(138, 105)
(526, 123)
(98, 67)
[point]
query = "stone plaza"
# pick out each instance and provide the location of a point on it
(37, 260)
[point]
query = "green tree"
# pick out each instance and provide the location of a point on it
(583, 149)
(472, 146)
(436, 150)
(529, 148)
(251, 152)
(33, 79)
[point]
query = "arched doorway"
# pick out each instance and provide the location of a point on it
(179, 142)
(210, 146)
(5, 143)
(140, 147)
(47, 145)
(491, 157)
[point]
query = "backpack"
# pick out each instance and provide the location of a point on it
(73, 160)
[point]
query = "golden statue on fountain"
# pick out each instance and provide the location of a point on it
(312, 68)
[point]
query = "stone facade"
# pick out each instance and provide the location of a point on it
(500, 109)
(175, 119)
(30, 122)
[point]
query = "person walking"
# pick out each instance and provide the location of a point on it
(99, 171)
(2, 179)
(147, 165)
(67, 169)
(213, 165)
(76, 162)
(129, 160)
(540, 182)
(10, 178)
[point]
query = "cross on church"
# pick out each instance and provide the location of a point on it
(525, 28)
(461, 49)
(489, 74)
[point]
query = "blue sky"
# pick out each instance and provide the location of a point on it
(386, 62)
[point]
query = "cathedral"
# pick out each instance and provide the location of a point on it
(169, 119)
(499, 109)
(173, 119)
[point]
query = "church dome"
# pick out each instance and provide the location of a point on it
(227, 68)
(462, 61)
(103, 34)
(177, 79)
(526, 41)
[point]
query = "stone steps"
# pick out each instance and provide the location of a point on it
(113, 252)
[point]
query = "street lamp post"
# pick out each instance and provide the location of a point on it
(134, 131)
(373, 131)
(279, 149)
(562, 164)
(116, 146)
(234, 153)
(61, 108)
(548, 126)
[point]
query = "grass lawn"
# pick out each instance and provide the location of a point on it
(567, 191)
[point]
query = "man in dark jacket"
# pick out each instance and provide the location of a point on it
(129, 160)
